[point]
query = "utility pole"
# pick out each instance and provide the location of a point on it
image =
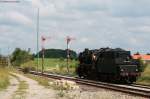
(37, 40)
(68, 39)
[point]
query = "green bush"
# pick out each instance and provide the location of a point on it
(26, 69)
(20, 56)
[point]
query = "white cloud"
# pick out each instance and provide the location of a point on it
(130, 8)
(16, 17)
(84, 40)
(36, 3)
(94, 23)
(20, 18)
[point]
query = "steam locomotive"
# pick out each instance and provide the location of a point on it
(106, 64)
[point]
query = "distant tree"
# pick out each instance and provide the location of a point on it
(20, 56)
(137, 53)
(148, 54)
(57, 53)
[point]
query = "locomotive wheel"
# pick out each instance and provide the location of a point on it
(80, 76)
(79, 72)
(132, 79)
(127, 80)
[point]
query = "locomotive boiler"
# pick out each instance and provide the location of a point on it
(106, 64)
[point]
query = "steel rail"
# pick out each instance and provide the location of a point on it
(141, 86)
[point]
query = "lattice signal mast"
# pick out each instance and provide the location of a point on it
(43, 39)
(68, 39)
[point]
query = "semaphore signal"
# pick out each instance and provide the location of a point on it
(68, 39)
(43, 39)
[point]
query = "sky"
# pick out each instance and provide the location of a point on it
(93, 24)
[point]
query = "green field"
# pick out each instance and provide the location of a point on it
(56, 65)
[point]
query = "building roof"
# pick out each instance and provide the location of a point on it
(140, 56)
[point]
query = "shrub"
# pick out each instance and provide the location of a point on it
(26, 69)
(64, 85)
(20, 56)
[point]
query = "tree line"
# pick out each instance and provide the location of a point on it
(20, 56)
(57, 53)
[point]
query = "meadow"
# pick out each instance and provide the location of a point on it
(54, 65)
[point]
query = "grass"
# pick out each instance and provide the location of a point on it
(54, 65)
(4, 78)
(145, 76)
(61, 93)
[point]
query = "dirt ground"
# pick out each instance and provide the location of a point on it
(8, 93)
(35, 91)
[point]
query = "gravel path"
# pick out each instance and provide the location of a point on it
(36, 91)
(8, 93)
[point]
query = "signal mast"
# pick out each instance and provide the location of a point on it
(43, 40)
(68, 39)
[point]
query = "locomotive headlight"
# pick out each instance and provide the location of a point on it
(136, 70)
(121, 70)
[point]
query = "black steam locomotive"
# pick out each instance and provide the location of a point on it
(106, 64)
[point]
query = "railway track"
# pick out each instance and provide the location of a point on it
(141, 86)
(137, 90)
